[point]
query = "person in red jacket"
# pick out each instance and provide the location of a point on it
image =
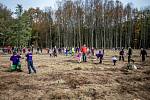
(84, 51)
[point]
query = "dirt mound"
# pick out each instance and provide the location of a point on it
(78, 68)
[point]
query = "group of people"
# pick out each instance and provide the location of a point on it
(10, 50)
(82, 54)
(100, 55)
(130, 65)
(16, 63)
(143, 53)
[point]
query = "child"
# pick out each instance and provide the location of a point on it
(19, 63)
(24, 50)
(78, 49)
(30, 62)
(97, 55)
(88, 51)
(55, 52)
(47, 50)
(92, 50)
(59, 50)
(84, 53)
(73, 51)
(100, 56)
(50, 52)
(79, 57)
(114, 60)
(66, 51)
(15, 62)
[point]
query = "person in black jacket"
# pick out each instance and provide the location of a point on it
(143, 54)
(121, 53)
(55, 52)
(129, 54)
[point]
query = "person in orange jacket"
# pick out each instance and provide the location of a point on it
(84, 51)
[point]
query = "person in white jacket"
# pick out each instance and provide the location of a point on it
(114, 60)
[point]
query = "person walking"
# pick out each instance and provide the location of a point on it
(143, 54)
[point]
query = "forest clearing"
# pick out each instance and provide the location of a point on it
(74, 49)
(64, 78)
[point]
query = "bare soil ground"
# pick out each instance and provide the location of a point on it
(63, 78)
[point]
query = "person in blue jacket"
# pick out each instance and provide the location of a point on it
(30, 62)
(15, 62)
(100, 56)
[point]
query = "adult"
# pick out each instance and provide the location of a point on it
(84, 51)
(121, 55)
(55, 52)
(143, 54)
(129, 54)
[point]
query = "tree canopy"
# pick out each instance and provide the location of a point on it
(97, 23)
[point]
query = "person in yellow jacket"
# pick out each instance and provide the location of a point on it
(73, 51)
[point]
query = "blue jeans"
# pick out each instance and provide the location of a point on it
(66, 53)
(31, 67)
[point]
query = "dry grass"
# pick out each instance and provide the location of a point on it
(63, 78)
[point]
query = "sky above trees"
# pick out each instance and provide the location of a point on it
(11, 4)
